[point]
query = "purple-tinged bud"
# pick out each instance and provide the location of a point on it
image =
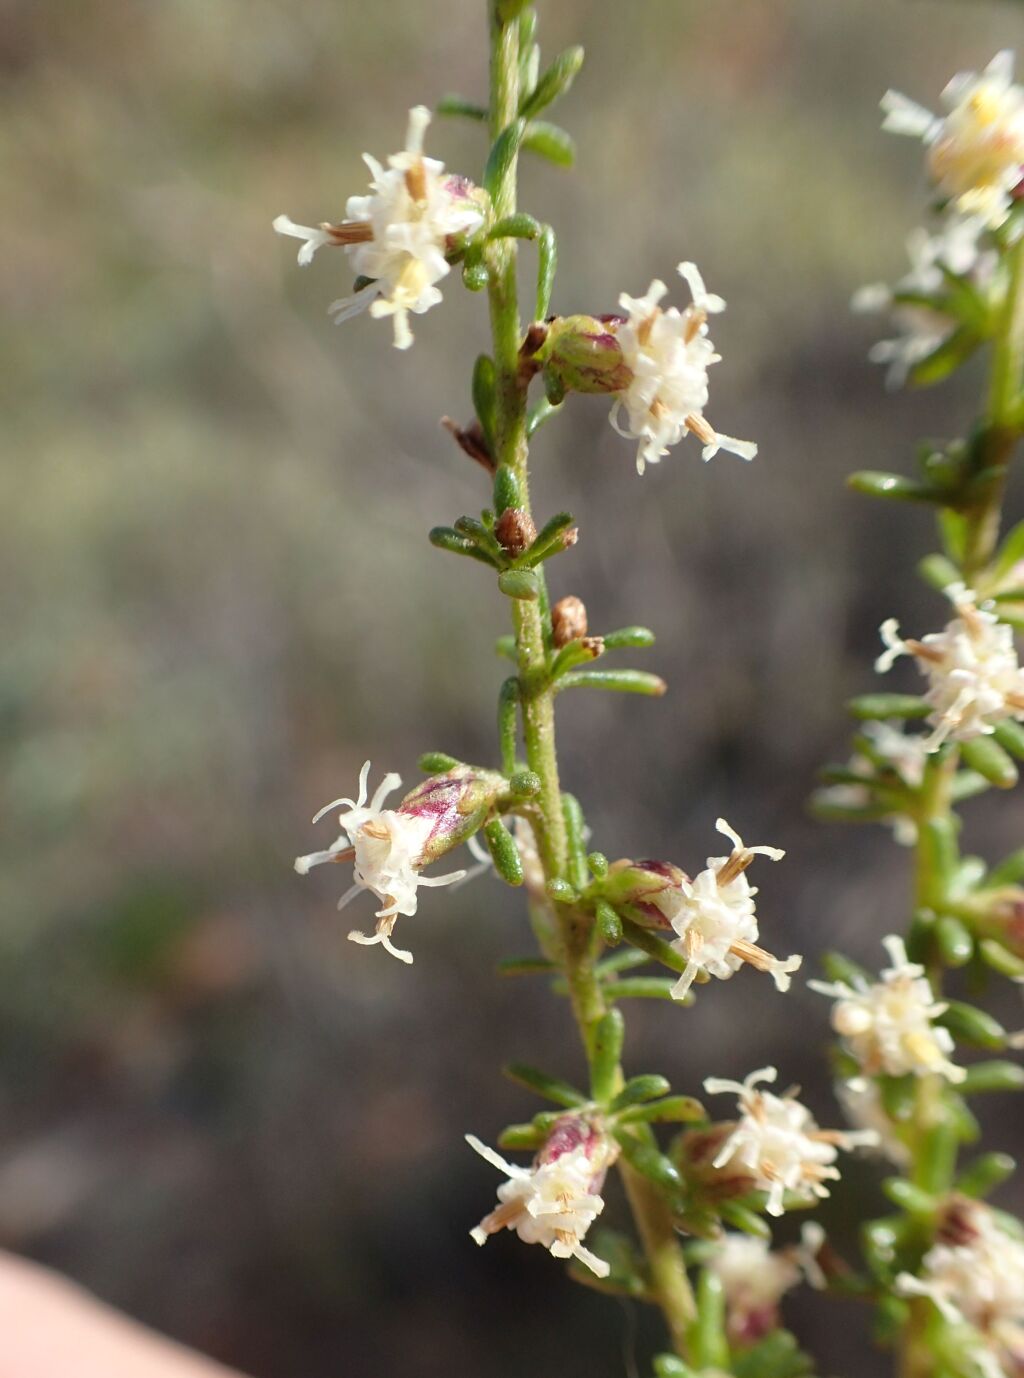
(648, 892)
(515, 530)
(582, 352)
(568, 621)
(573, 1134)
(960, 1222)
(457, 804)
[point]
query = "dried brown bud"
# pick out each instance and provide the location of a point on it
(471, 441)
(568, 620)
(515, 530)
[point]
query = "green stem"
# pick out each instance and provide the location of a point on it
(576, 934)
(1003, 422)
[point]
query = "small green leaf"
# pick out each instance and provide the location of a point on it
(575, 832)
(955, 350)
(437, 762)
(992, 1076)
(605, 1053)
(987, 757)
(640, 1089)
(1001, 959)
(646, 1159)
(707, 1333)
(446, 538)
(1009, 871)
(937, 840)
(953, 528)
(502, 155)
(475, 276)
(909, 1197)
(880, 485)
(506, 489)
(552, 142)
(938, 571)
(458, 107)
(519, 226)
(553, 83)
(525, 783)
(525, 1137)
(954, 941)
(484, 389)
(561, 892)
(542, 410)
(1010, 736)
(668, 1366)
(628, 636)
(549, 539)
(986, 1173)
(837, 967)
(519, 583)
(597, 864)
(551, 1088)
(476, 532)
(643, 988)
(744, 1219)
(620, 681)
(609, 925)
(654, 946)
(526, 966)
(876, 707)
(504, 852)
(505, 647)
(671, 1110)
(1011, 551)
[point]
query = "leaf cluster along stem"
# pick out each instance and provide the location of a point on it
(577, 938)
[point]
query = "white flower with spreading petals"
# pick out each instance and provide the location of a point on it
(976, 150)
(975, 681)
(777, 1142)
(923, 329)
(397, 236)
(553, 1203)
(715, 919)
(979, 1283)
(669, 353)
(889, 1027)
(386, 849)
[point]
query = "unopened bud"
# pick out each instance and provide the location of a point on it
(515, 530)
(457, 805)
(568, 620)
(572, 1133)
(1000, 915)
(583, 354)
(648, 892)
(959, 1223)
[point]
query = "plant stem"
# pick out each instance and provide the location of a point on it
(577, 941)
(1003, 422)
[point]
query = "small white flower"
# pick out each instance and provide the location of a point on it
(975, 682)
(715, 919)
(754, 1279)
(398, 235)
(778, 1142)
(889, 1026)
(386, 848)
(669, 353)
(862, 1105)
(906, 755)
(975, 151)
(978, 1283)
(921, 328)
(554, 1202)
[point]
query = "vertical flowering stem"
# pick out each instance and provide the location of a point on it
(576, 935)
(1004, 421)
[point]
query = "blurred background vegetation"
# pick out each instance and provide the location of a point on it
(218, 599)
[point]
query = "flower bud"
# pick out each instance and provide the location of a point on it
(568, 621)
(515, 530)
(648, 892)
(696, 1152)
(583, 354)
(456, 805)
(1002, 917)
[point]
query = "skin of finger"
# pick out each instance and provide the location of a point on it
(50, 1328)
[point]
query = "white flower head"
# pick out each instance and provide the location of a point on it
(975, 150)
(778, 1143)
(754, 1279)
(975, 681)
(555, 1201)
(889, 1027)
(398, 235)
(386, 847)
(716, 922)
(922, 328)
(978, 1282)
(861, 1101)
(668, 353)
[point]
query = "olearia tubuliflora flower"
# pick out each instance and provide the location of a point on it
(389, 847)
(975, 150)
(716, 922)
(974, 1274)
(975, 681)
(399, 236)
(654, 360)
(555, 1201)
(754, 1279)
(923, 327)
(777, 1144)
(889, 1026)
